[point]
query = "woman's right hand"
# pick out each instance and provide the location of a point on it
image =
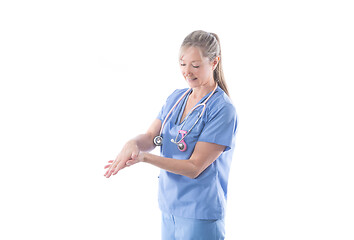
(130, 151)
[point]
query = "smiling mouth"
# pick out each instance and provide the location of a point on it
(191, 79)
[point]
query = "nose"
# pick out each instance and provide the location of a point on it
(187, 71)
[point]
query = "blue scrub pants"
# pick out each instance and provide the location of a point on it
(177, 228)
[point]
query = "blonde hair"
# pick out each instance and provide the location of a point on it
(209, 44)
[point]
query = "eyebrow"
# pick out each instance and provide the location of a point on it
(192, 61)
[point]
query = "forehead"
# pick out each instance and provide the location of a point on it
(191, 54)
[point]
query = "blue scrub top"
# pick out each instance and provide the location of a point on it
(205, 196)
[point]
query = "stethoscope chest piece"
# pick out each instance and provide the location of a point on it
(182, 146)
(158, 141)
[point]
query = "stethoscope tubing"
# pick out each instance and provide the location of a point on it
(200, 115)
(174, 106)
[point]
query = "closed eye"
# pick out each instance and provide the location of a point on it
(183, 64)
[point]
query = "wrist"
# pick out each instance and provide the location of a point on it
(143, 156)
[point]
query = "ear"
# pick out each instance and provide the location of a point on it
(215, 62)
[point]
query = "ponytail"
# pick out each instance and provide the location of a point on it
(218, 71)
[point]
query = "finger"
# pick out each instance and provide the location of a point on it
(107, 174)
(133, 159)
(107, 166)
(131, 162)
(119, 167)
(109, 171)
(113, 168)
(117, 170)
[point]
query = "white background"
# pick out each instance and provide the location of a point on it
(80, 78)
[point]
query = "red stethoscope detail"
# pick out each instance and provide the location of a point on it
(182, 146)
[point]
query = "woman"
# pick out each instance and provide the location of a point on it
(196, 130)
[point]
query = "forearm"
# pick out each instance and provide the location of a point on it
(144, 142)
(182, 167)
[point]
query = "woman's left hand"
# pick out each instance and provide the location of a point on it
(135, 159)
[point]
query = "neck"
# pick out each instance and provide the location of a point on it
(201, 91)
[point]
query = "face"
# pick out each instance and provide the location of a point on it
(196, 69)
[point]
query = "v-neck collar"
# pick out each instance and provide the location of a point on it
(181, 109)
(183, 106)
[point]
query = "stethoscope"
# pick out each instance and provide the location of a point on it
(181, 144)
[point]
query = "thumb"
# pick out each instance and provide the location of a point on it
(134, 159)
(130, 162)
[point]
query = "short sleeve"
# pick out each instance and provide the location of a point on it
(220, 127)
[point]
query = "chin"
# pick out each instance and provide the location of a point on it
(193, 83)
